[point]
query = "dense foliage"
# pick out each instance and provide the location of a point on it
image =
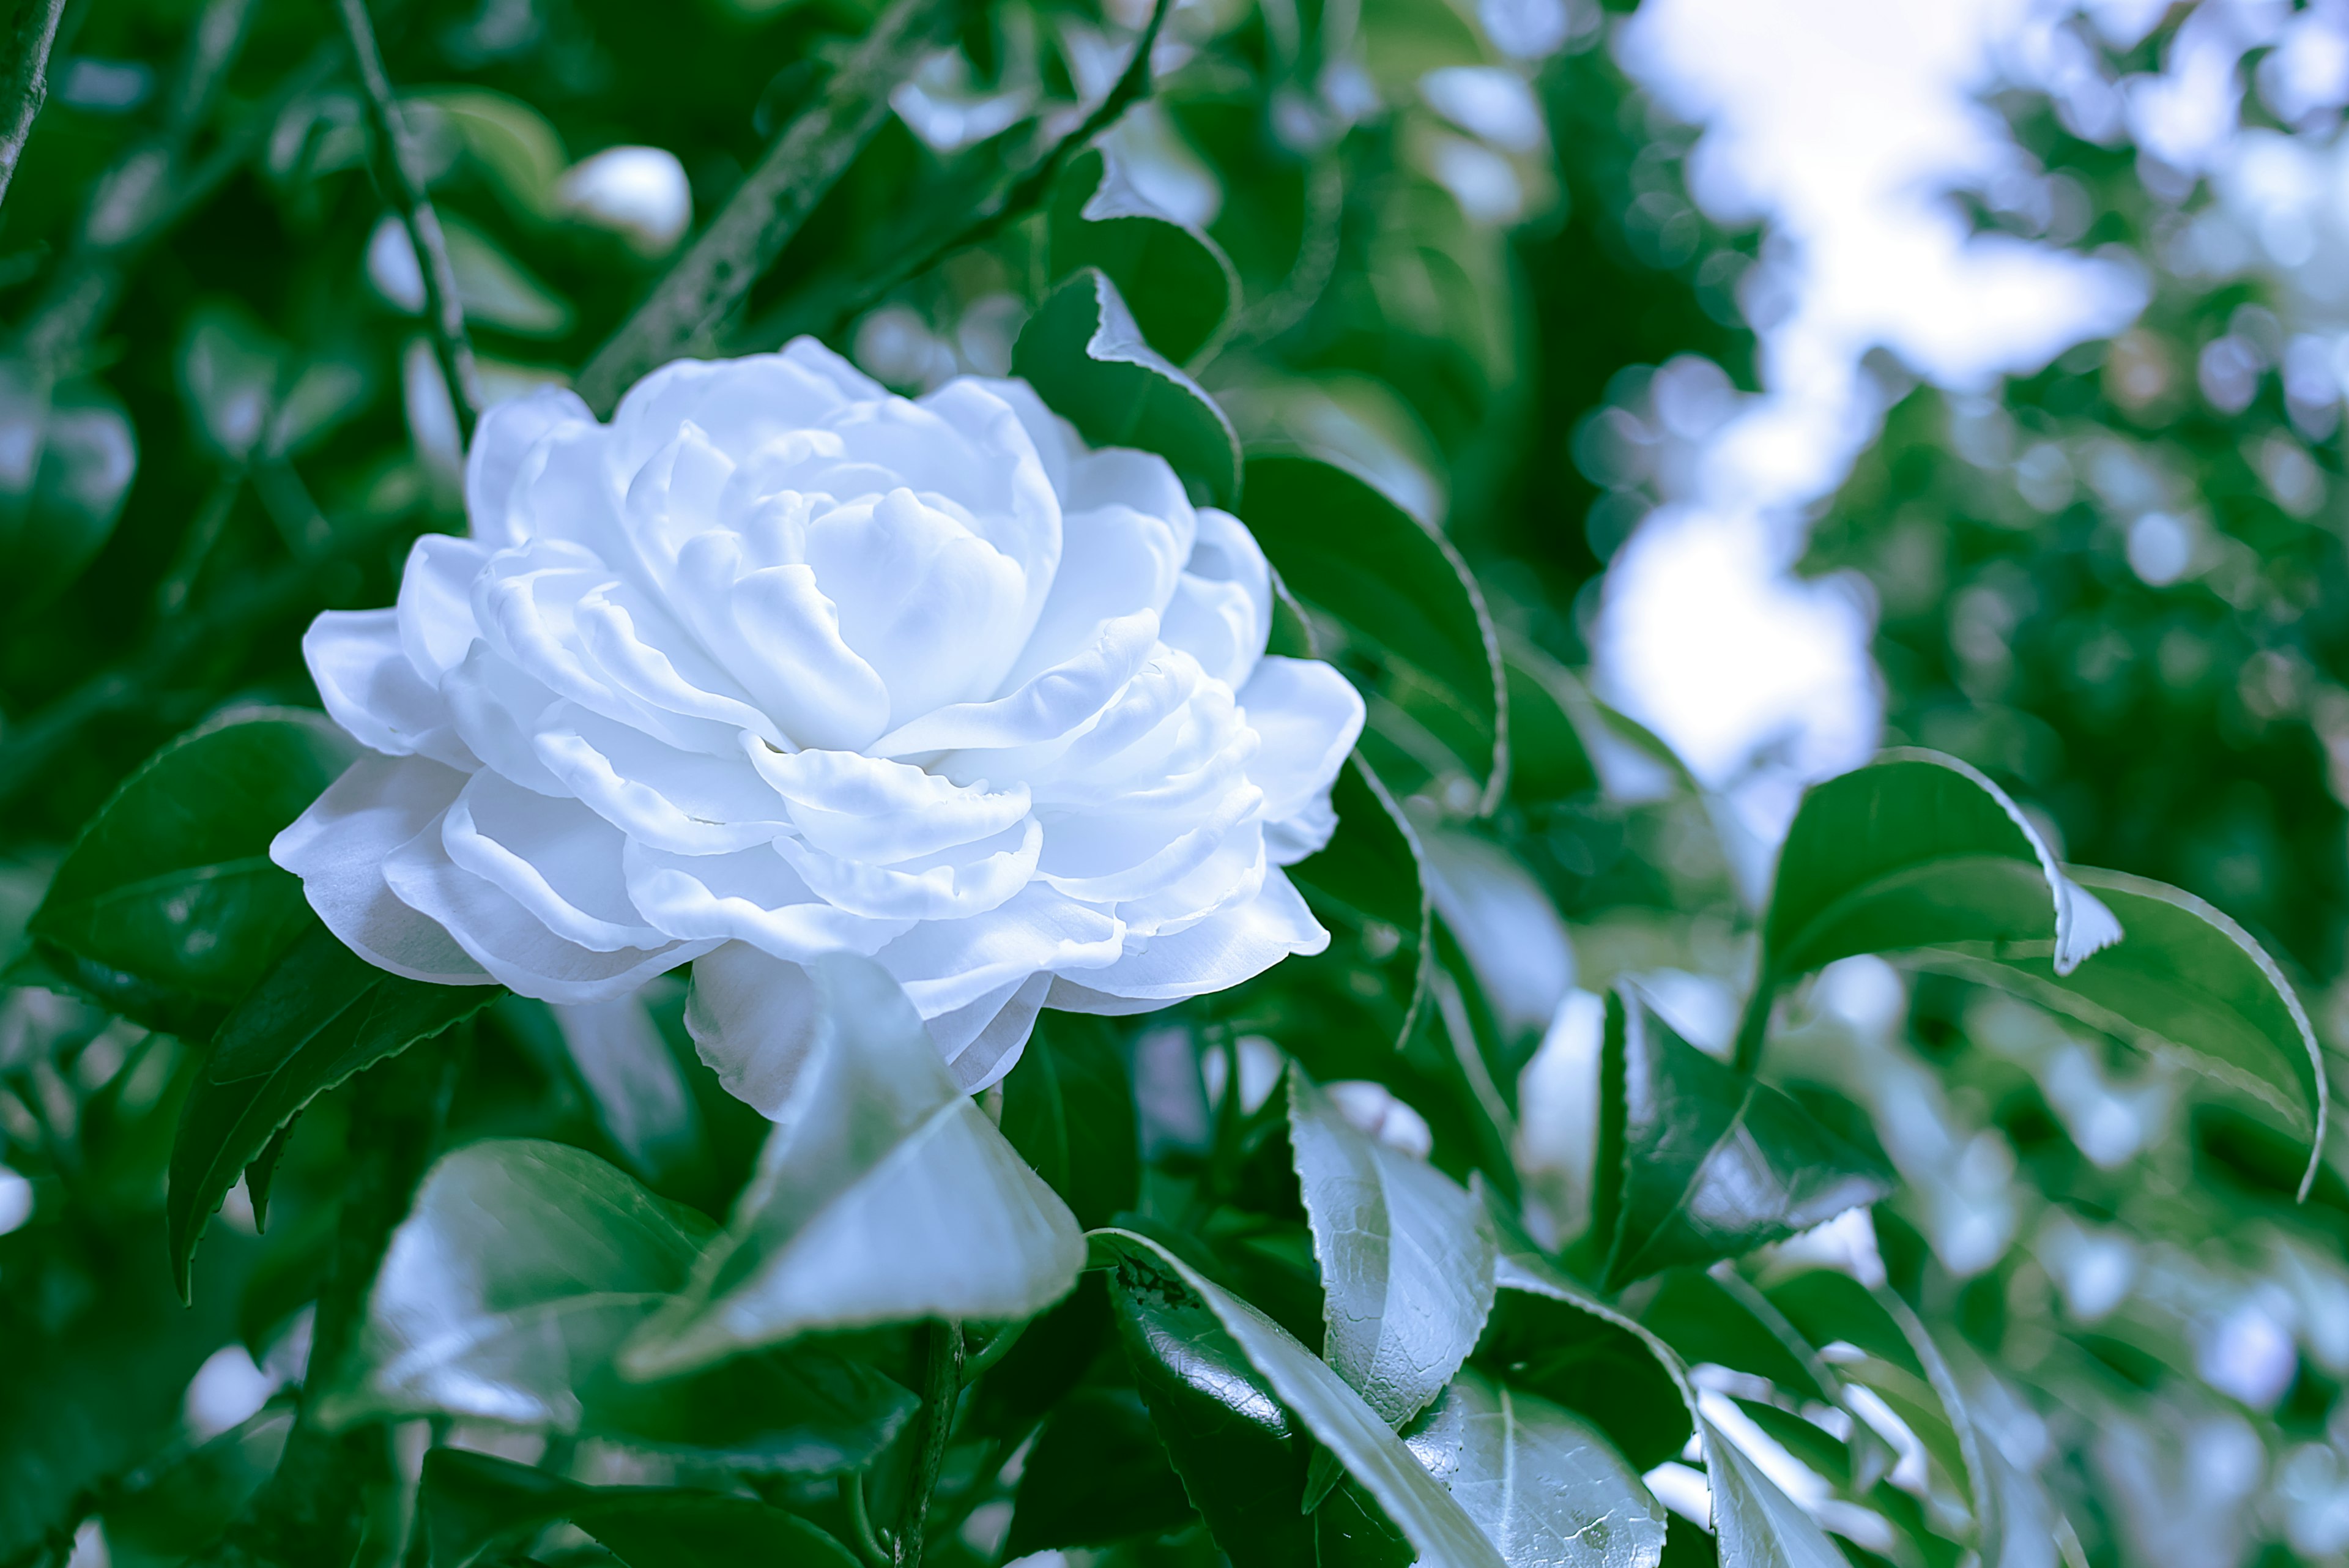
(1577, 1178)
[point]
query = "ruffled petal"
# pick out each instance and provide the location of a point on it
(338, 848)
(435, 601)
(371, 689)
(496, 710)
(556, 859)
(1238, 944)
(753, 1018)
(751, 896)
(982, 1041)
(871, 809)
(947, 964)
(740, 404)
(1308, 717)
(1052, 706)
(503, 445)
(1222, 610)
(682, 801)
(968, 879)
(505, 938)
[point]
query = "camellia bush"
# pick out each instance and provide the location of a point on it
(864, 832)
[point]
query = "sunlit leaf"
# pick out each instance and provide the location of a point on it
(884, 1195)
(1178, 282)
(1088, 360)
(1406, 1258)
(1699, 1161)
(171, 886)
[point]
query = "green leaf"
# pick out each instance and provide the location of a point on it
(1590, 1363)
(1369, 887)
(1755, 1525)
(1097, 1475)
(229, 368)
(321, 1014)
(1564, 742)
(518, 1273)
(72, 454)
(2187, 983)
(516, 145)
(172, 1510)
(171, 885)
(472, 1501)
(1335, 1414)
(1417, 636)
(1181, 286)
(1915, 850)
(885, 1196)
(1537, 1479)
(497, 290)
(1699, 1161)
(1068, 1109)
(1406, 1258)
(1703, 1319)
(1087, 360)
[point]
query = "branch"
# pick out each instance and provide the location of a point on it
(397, 172)
(767, 209)
(825, 304)
(27, 85)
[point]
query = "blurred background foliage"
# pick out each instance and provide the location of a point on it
(1468, 266)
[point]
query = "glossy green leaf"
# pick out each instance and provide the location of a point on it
(1180, 284)
(1539, 1481)
(1088, 360)
(321, 1014)
(2187, 983)
(1406, 1258)
(1068, 1109)
(1563, 742)
(71, 456)
(1369, 887)
(1755, 1524)
(1703, 1319)
(1699, 1161)
(1241, 1461)
(1332, 1412)
(1917, 850)
(884, 1195)
(472, 1501)
(171, 886)
(1098, 1475)
(515, 1277)
(1416, 632)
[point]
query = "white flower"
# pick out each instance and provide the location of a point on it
(777, 665)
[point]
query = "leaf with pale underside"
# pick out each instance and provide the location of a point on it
(884, 1195)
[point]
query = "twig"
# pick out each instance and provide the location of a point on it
(767, 209)
(34, 30)
(847, 298)
(402, 180)
(941, 1390)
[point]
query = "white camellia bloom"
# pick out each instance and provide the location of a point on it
(777, 665)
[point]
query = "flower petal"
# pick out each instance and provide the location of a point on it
(947, 964)
(682, 801)
(1052, 705)
(338, 846)
(1222, 610)
(507, 438)
(751, 896)
(371, 689)
(1308, 717)
(982, 1041)
(869, 808)
(435, 601)
(753, 1018)
(555, 858)
(1238, 944)
(968, 879)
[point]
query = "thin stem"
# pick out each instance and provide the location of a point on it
(868, 1543)
(995, 1349)
(941, 1390)
(397, 169)
(1754, 1027)
(33, 31)
(823, 308)
(196, 545)
(767, 209)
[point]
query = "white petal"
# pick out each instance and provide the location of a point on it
(1053, 704)
(947, 964)
(968, 879)
(497, 711)
(1222, 611)
(1110, 859)
(1114, 562)
(779, 636)
(869, 808)
(508, 941)
(1237, 945)
(371, 689)
(502, 443)
(982, 1041)
(435, 601)
(751, 896)
(1231, 875)
(639, 651)
(1058, 445)
(1309, 716)
(555, 858)
(338, 846)
(753, 1018)
(740, 404)
(675, 800)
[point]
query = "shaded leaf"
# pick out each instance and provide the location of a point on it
(1699, 1161)
(2187, 982)
(1369, 887)
(1087, 360)
(1334, 1414)
(521, 151)
(1544, 1485)
(884, 1195)
(1180, 284)
(1068, 1109)
(1406, 1258)
(171, 884)
(1700, 1318)
(320, 1016)
(1417, 634)
(472, 1501)
(1098, 1474)
(72, 454)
